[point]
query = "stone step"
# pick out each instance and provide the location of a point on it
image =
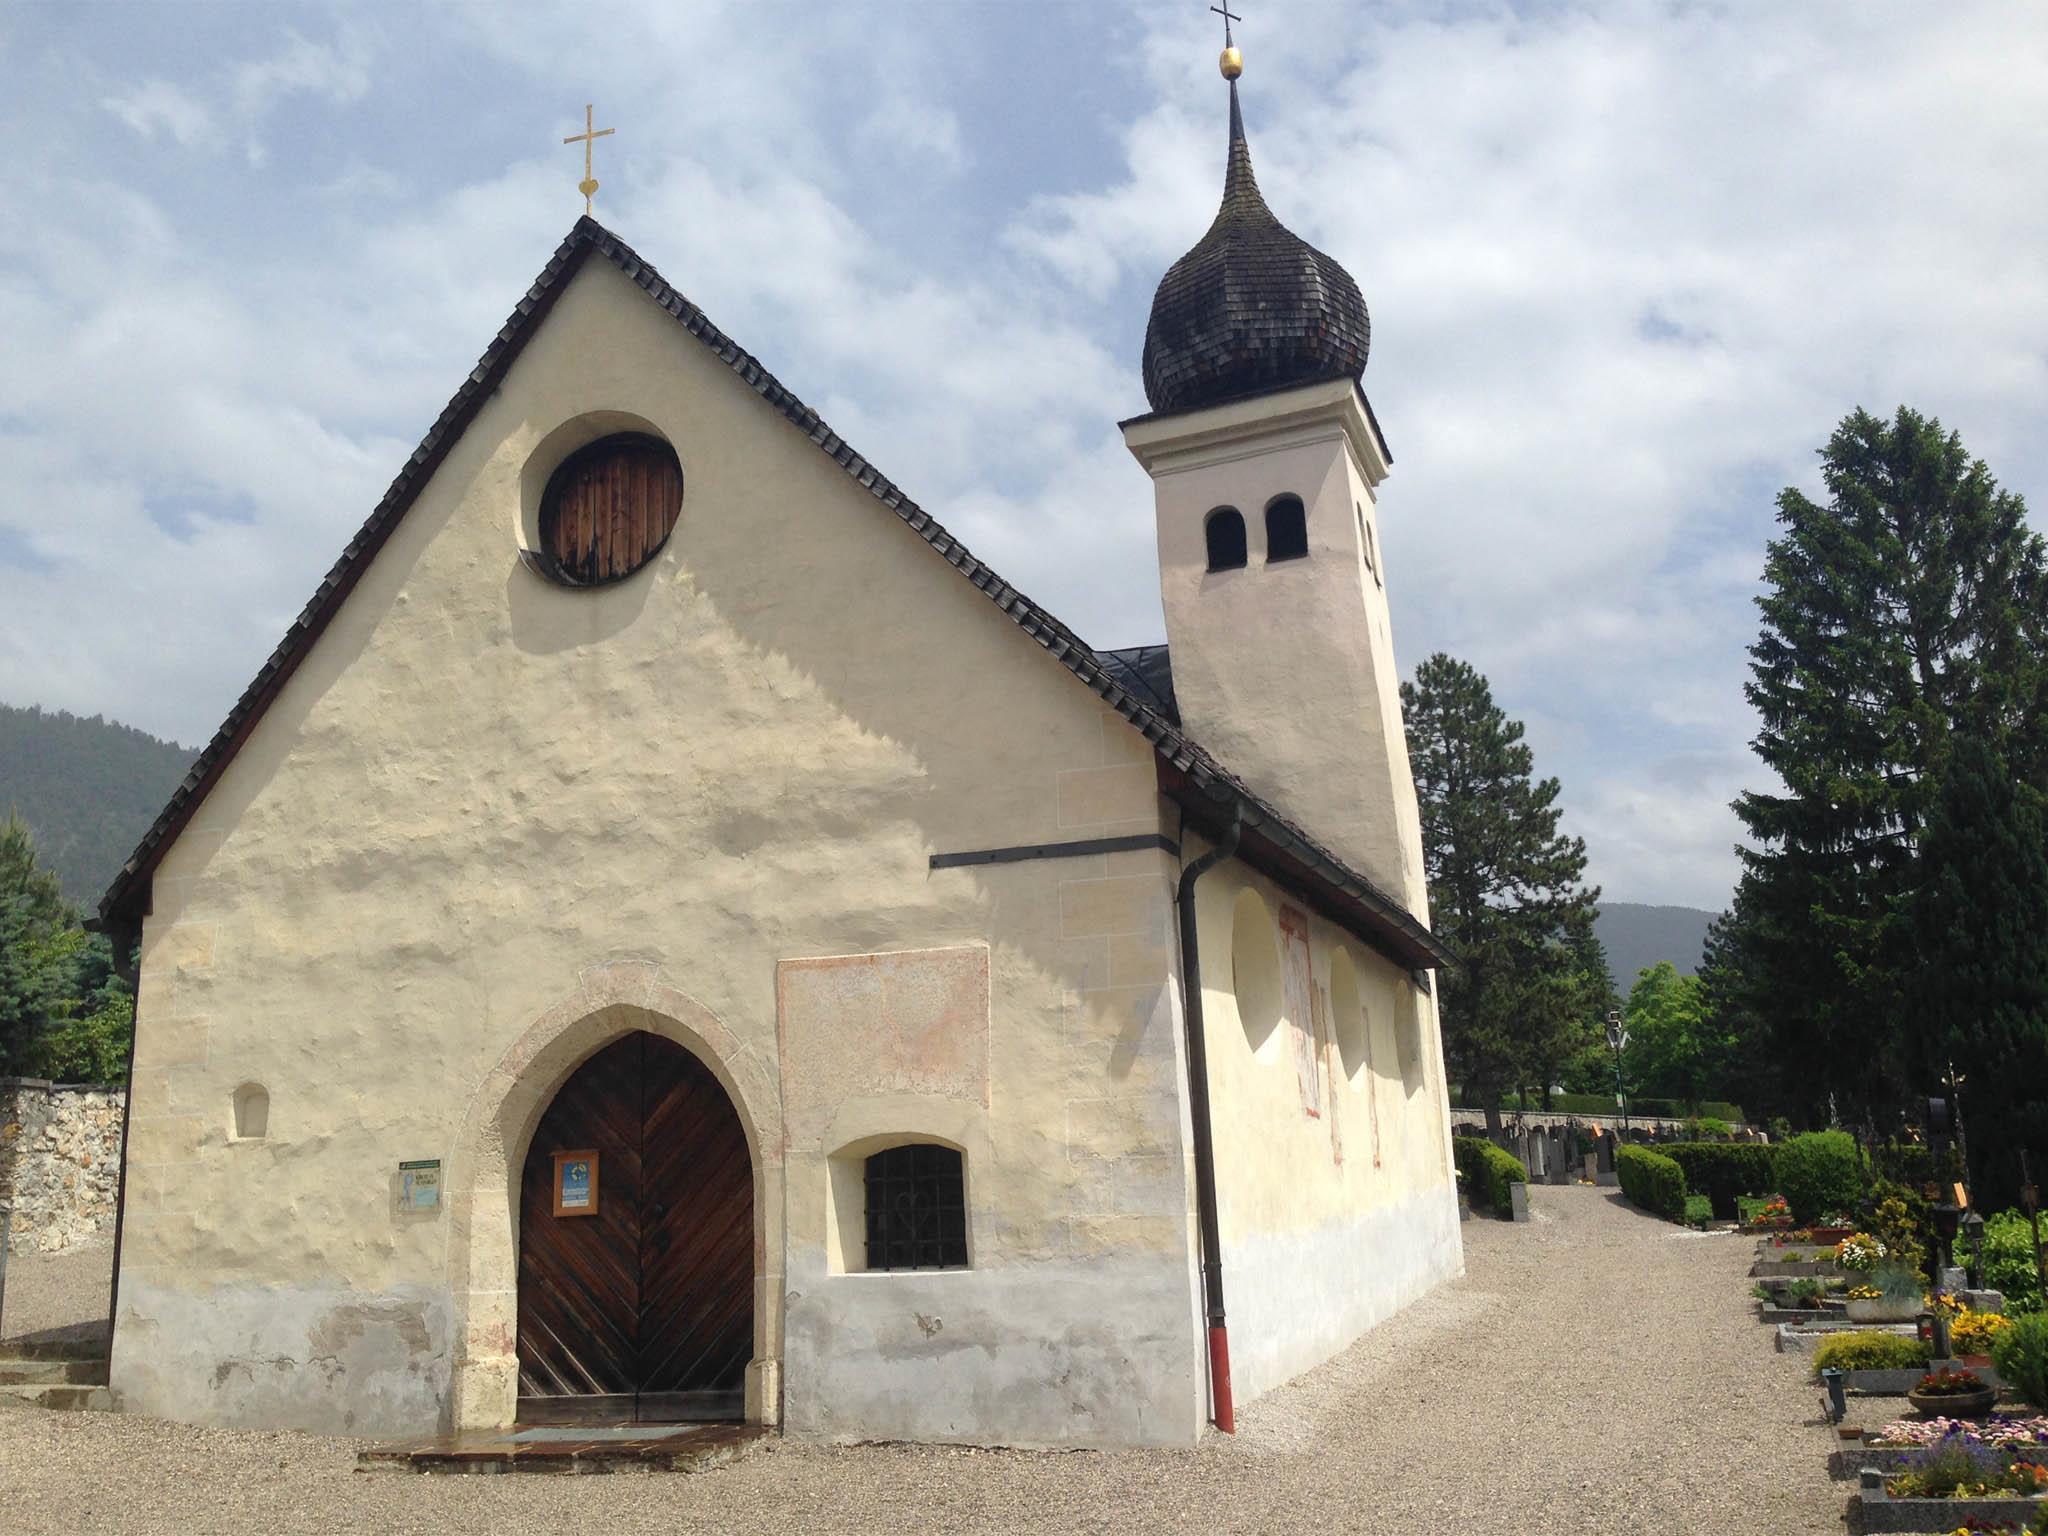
(60, 1396)
(18, 1372)
(81, 1341)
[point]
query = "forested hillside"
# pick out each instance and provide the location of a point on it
(88, 790)
(1636, 937)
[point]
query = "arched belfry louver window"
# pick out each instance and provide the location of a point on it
(1225, 531)
(1286, 529)
(609, 508)
(916, 1208)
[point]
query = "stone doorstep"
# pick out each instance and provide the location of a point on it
(570, 1449)
(35, 1373)
(1932, 1514)
(60, 1397)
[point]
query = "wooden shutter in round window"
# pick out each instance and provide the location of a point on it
(608, 510)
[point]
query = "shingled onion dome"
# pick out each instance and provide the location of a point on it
(1253, 307)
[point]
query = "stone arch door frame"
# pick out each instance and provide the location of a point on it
(482, 1197)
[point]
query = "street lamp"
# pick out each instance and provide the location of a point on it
(1617, 1040)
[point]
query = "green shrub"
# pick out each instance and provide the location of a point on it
(1652, 1181)
(2009, 1261)
(1818, 1173)
(1723, 1171)
(2021, 1355)
(1869, 1352)
(1490, 1173)
(1707, 1128)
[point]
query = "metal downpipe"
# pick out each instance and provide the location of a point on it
(1198, 1112)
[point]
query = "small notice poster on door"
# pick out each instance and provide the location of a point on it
(575, 1183)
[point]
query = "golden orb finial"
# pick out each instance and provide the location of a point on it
(1231, 62)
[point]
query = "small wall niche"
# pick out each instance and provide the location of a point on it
(252, 1112)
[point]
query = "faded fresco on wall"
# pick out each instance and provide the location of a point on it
(1297, 988)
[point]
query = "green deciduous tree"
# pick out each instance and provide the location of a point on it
(1904, 607)
(64, 1012)
(1677, 1047)
(1504, 886)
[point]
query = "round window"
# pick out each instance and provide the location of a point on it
(609, 508)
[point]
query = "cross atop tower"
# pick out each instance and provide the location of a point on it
(1228, 16)
(589, 136)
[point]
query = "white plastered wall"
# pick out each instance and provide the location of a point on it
(491, 823)
(1332, 1221)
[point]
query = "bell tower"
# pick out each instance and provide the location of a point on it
(1265, 462)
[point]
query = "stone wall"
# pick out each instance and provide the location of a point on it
(60, 1161)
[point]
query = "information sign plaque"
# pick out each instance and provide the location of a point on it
(419, 1184)
(576, 1183)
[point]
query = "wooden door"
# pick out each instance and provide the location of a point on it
(643, 1310)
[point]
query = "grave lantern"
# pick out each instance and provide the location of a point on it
(1973, 1237)
(1838, 1402)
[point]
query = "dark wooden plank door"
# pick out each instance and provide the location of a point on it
(645, 1310)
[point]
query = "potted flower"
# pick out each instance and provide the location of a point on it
(1952, 1394)
(1971, 1333)
(1859, 1251)
(1896, 1297)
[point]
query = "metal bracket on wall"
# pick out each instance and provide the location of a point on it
(1075, 850)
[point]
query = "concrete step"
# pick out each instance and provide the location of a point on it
(60, 1396)
(18, 1373)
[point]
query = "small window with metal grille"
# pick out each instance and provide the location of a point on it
(916, 1208)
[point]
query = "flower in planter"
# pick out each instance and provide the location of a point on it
(1949, 1384)
(1859, 1250)
(1972, 1332)
(1864, 1293)
(1994, 1431)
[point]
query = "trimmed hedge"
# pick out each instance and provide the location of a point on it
(1489, 1172)
(1652, 1181)
(1869, 1352)
(1818, 1173)
(1721, 1170)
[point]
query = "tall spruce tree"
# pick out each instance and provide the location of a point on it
(1504, 889)
(1979, 921)
(1905, 607)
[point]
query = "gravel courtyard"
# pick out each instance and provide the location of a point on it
(1596, 1371)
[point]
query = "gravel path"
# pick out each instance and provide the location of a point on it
(56, 1290)
(1596, 1372)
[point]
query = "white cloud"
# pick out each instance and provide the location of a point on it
(157, 106)
(1628, 264)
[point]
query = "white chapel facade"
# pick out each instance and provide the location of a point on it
(671, 934)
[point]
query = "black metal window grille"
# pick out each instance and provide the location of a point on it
(1225, 533)
(916, 1209)
(1286, 529)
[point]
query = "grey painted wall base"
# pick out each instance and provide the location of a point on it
(327, 1361)
(1100, 1352)
(1299, 1298)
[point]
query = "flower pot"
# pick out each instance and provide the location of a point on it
(1954, 1405)
(1977, 1362)
(1824, 1235)
(1875, 1309)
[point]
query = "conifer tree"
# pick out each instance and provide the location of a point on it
(1979, 920)
(1504, 889)
(1905, 607)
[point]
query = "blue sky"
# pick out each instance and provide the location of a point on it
(1627, 266)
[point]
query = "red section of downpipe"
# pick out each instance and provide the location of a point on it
(1219, 1380)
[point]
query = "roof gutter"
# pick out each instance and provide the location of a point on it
(1198, 1112)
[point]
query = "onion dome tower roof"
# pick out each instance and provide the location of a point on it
(1253, 307)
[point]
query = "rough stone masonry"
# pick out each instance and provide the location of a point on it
(60, 1160)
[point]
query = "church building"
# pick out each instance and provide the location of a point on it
(670, 934)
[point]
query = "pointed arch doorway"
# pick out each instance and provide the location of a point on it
(636, 1272)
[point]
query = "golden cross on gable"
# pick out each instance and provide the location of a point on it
(589, 136)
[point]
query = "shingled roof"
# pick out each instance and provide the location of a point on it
(1208, 792)
(1252, 307)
